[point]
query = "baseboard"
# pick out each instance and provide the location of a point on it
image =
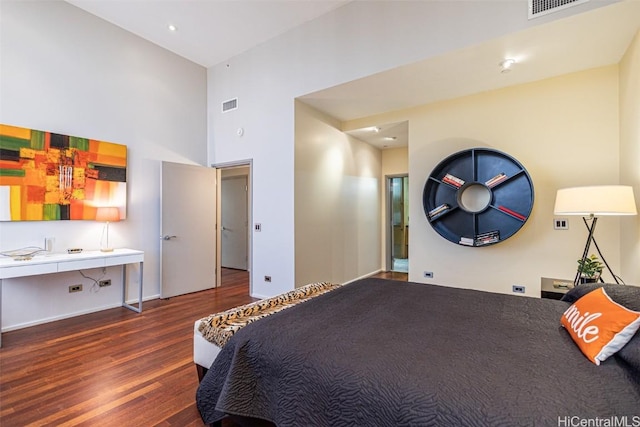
(74, 314)
(261, 296)
(352, 280)
(364, 276)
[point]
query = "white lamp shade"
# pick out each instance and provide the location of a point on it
(596, 200)
(108, 213)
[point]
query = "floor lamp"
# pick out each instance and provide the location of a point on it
(592, 202)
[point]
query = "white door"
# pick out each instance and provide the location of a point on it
(234, 222)
(188, 229)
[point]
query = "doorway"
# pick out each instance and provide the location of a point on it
(398, 223)
(234, 218)
(233, 227)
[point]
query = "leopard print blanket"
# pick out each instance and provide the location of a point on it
(219, 327)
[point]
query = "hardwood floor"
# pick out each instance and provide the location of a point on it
(392, 275)
(111, 368)
(114, 367)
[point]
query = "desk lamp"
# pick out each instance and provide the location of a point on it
(107, 214)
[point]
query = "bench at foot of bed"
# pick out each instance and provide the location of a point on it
(212, 332)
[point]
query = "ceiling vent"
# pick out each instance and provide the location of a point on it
(543, 7)
(230, 105)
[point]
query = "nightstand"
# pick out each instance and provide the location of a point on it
(554, 288)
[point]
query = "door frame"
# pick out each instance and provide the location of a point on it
(388, 226)
(230, 165)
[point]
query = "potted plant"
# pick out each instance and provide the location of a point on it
(590, 269)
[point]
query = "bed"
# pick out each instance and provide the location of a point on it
(387, 353)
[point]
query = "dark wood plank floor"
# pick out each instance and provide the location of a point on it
(393, 275)
(114, 367)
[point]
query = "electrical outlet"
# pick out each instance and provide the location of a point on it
(560, 224)
(103, 283)
(75, 288)
(267, 279)
(428, 274)
(258, 227)
(519, 289)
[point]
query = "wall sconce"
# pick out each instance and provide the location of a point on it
(107, 214)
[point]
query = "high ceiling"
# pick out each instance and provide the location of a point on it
(212, 31)
(208, 32)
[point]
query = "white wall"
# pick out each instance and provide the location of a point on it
(337, 202)
(630, 158)
(351, 42)
(69, 72)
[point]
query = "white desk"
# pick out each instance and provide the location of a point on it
(57, 263)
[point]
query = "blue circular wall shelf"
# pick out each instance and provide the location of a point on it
(478, 197)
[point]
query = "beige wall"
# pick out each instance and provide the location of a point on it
(630, 158)
(337, 201)
(395, 161)
(564, 130)
(235, 171)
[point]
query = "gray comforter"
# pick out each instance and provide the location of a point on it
(386, 353)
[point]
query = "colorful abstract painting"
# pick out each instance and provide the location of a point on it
(47, 176)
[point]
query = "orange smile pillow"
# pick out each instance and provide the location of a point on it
(600, 326)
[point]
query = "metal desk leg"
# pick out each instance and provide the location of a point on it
(0, 313)
(137, 309)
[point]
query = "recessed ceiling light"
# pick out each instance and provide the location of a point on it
(505, 66)
(172, 27)
(390, 138)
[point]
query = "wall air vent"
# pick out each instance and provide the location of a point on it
(543, 7)
(230, 105)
